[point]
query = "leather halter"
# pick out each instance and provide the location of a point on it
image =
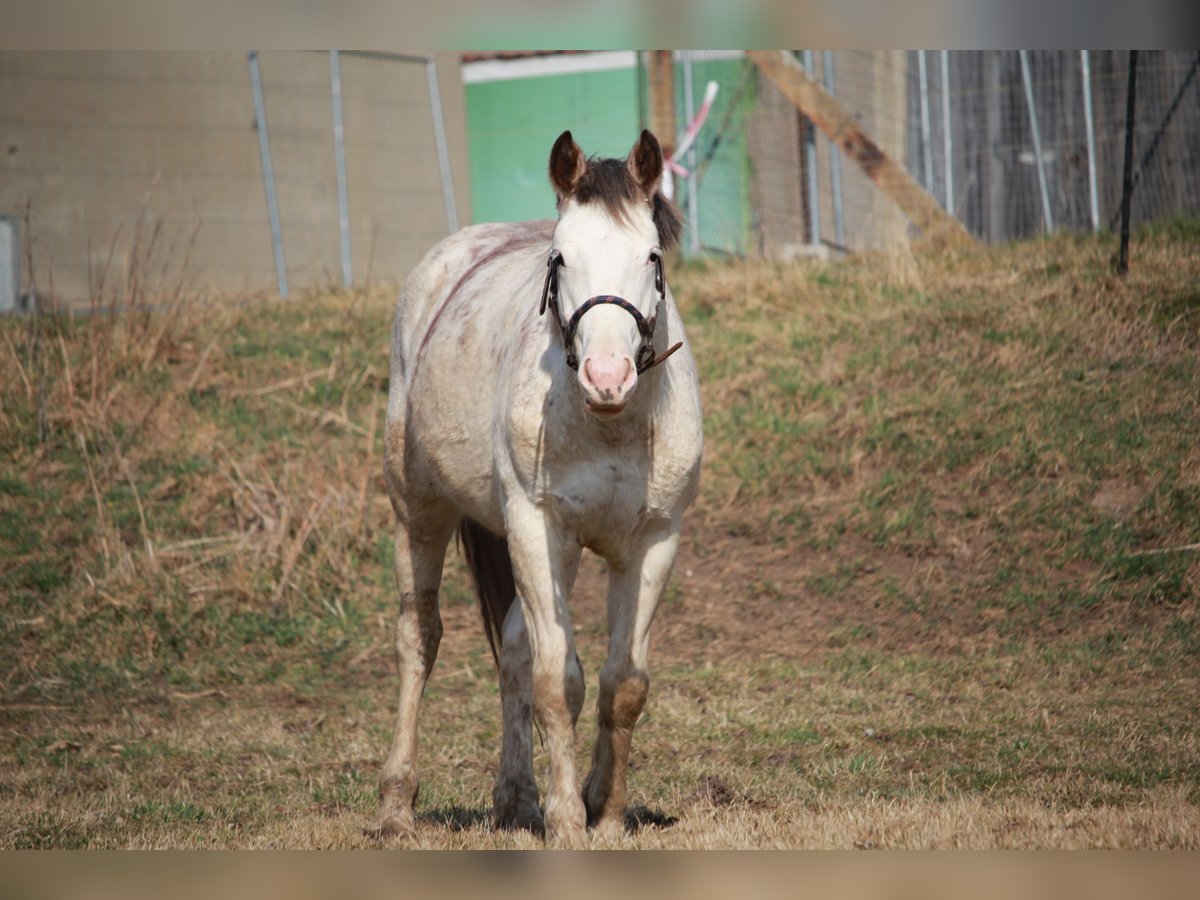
(646, 356)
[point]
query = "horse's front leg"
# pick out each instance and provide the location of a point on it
(543, 566)
(633, 594)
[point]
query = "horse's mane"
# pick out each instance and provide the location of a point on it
(609, 183)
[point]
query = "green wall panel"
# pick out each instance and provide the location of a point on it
(513, 124)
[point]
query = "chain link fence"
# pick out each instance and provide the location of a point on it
(1013, 143)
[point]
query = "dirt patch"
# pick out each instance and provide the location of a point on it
(739, 597)
(1118, 498)
(714, 792)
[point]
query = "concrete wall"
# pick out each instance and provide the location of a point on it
(146, 166)
(776, 149)
(870, 83)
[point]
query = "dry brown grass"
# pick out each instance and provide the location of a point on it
(915, 605)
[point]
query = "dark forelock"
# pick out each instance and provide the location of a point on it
(608, 183)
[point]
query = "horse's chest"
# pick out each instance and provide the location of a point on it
(602, 502)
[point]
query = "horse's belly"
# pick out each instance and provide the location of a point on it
(451, 446)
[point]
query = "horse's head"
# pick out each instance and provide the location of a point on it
(613, 227)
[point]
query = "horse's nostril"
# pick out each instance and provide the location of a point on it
(609, 377)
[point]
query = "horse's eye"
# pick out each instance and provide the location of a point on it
(654, 257)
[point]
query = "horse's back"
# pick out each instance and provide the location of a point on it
(453, 314)
(444, 271)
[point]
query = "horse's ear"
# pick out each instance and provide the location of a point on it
(567, 164)
(645, 163)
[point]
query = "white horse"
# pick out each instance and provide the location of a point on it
(536, 431)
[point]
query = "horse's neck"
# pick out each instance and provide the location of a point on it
(636, 423)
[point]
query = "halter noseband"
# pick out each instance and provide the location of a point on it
(646, 357)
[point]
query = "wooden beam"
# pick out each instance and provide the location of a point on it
(661, 66)
(839, 124)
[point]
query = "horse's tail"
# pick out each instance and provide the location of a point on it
(491, 570)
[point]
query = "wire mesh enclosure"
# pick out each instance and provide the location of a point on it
(1012, 143)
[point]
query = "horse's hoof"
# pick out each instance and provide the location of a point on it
(610, 828)
(574, 838)
(515, 808)
(526, 817)
(601, 817)
(390, 827)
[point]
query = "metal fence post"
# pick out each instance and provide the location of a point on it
(835, 160)
(1047, 215)
(693, 201)
(810, 161)
(339, 153)
(264, 150)
(947, 133)
(1090, 130)
(10, 264)
(926, 149)
(439, 135)
(1127, 181)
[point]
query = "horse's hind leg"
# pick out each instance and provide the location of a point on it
(420, 551)
(633, 595)
(515, 797)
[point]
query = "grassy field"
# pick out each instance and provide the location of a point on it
(939, 590)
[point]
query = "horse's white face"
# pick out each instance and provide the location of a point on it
(601, 256)
(607, 239)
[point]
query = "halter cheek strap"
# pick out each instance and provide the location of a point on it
(646, 356)
(550, 288)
